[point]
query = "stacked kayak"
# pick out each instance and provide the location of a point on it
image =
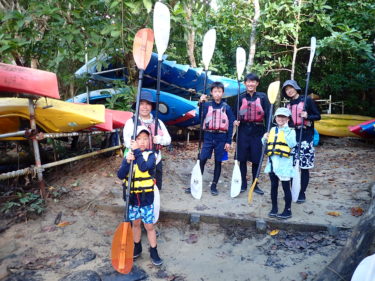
(173, 110)
(178, 79)
(365, 129)
(53, 116)
(336, 125)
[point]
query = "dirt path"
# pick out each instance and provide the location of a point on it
(39, 250)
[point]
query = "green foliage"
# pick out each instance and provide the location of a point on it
(27, 202)
(123, 100)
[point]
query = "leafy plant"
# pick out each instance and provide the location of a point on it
(26, 202)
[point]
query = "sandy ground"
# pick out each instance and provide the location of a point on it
(45, 251)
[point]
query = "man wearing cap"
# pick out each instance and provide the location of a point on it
(254, 111)
(146, 105)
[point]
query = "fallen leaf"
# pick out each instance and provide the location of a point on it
(356, 211)
(64, 223)
(274, 232)
(334, 214)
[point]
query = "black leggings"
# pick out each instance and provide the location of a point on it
(305, 177)
(287, 193)
(217, 170)
(243, 169)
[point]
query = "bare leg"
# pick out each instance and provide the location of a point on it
(151, 234)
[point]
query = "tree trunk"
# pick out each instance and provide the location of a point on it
(295, 45)
(356, 248)
(190, 37)
(253, 42)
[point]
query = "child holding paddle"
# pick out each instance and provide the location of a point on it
(280, 141)
(306, 109)
(141, 199)
(218, 128)
(146, 118)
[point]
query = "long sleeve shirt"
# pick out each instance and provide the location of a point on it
(164, 139)
(143, 165)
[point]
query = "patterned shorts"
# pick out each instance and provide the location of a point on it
(307, 155)
(145, 213)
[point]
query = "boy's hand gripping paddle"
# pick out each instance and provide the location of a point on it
(123, 243)
(273, 90)
(161, 31)
(235, 187)
(208, 48)
(296, 182)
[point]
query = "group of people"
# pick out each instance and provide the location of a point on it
(290, 137)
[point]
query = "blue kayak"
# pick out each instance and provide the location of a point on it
(178, 79)
(173, 110)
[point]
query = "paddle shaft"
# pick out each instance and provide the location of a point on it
(157, 100)
(127, 196)
(201, 113)
(303, 119)
(238, 116)
(264, 145)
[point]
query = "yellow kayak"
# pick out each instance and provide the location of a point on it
(53, 116)
(336, 125)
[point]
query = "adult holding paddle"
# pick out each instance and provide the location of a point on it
(159, 134)
(209, 42)
(253, 114)
(304, 113)
(124, 237)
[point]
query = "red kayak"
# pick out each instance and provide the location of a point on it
(25, 80)
(119, 117)
(365, 129)
(106, 126)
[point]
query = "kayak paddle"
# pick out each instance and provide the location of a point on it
(123, 243)
(273, 90)
(208, 48)
(161, 32)
(296, 182)
(235, 187)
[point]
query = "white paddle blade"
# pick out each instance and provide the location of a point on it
(235, 187)
(240, 61)
(365, 271)
(196, 182)
(209, 42)
(312, 53)
(272, 91)
(156, 203)
(162, 27)
(296, 184)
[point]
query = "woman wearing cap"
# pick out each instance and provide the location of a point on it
(280, 141)
(306, 109)
(146, 105)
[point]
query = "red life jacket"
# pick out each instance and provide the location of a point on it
(151, 127)
(296, 110)
(216, 119)
(251, 111)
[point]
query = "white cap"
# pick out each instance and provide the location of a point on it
(283, 111)
(141, 129)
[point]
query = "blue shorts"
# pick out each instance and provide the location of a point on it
(211, 145)
(146, 213)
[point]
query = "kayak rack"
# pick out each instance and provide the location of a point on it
(38, 168)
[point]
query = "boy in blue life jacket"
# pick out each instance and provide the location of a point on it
(141, 201)
(217, 125)
(280, 141)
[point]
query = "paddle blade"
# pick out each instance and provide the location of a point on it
(123, 248)
(162, 27)
(250, 194)
(296, 183)
(273, 90)
(235, 187)
(196, 182)
(156, 203)
(142, 47)
(312, 53)
(240, 61)
(209, 42)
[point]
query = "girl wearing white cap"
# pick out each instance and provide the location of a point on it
(280, 141)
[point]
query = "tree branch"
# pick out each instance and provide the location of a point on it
(278, 69)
